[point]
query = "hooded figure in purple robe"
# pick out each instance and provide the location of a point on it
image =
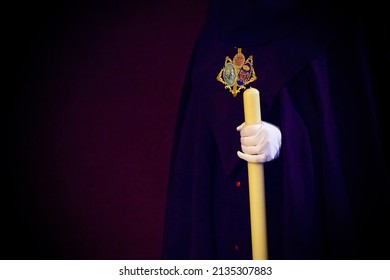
(321, 74)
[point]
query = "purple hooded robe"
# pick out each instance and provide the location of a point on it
(321, 78)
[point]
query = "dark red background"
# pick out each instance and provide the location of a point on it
(91, 111)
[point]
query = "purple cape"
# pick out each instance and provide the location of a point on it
(327, 194)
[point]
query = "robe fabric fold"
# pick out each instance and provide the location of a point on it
(327, 194)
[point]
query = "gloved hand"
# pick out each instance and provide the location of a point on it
(260, 142)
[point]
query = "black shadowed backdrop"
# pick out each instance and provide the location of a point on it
(91, 112)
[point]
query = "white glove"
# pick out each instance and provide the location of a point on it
(259, 142)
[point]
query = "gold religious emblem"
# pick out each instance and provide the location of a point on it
(237, 72)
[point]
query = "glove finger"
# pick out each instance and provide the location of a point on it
(250, 150)
(252, 158)
(265, 149)
(240, 126)
(252, 140)
(250, 130)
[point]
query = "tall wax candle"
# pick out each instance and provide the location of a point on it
(252, 115)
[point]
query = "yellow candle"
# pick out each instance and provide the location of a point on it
(256, 182)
